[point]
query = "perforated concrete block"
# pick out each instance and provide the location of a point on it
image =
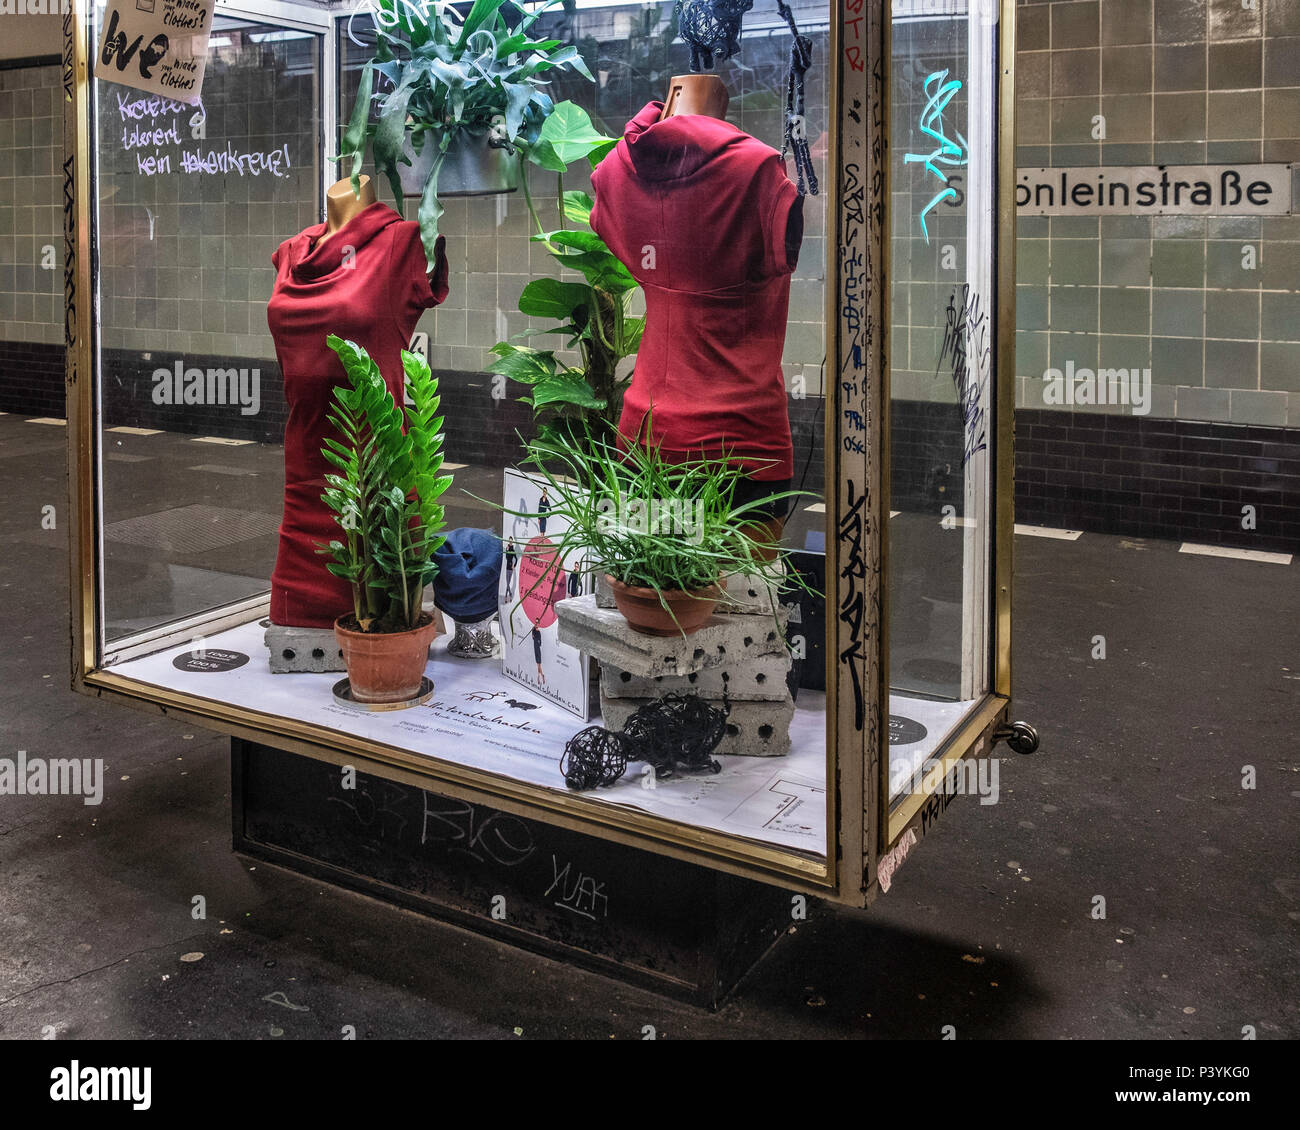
(754, 729)
(296, 651)
(605, 635)
(761, 679)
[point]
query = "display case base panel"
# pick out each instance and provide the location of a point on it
(477, 717)
(674, 927)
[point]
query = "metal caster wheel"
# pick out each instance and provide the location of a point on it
(1020, 736)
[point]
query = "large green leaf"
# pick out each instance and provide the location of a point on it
(479, 14)
(578, 206)
(566, 388)
(551, 298)
(568, 135)
(522, 364)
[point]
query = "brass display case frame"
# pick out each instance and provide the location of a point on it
(862, 825)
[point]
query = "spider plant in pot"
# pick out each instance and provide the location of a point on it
(665, 534)
(461, 90)
(384, 496)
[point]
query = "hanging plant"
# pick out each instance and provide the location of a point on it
(451, 77)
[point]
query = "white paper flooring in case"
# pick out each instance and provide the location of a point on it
(518, 734)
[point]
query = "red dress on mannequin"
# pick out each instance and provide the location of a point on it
(701, 213)
(368, 283)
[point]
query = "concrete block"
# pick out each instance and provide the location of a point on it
(754, 729)
(761, 679)
(604, 634)
(303, 650)
(749, 594)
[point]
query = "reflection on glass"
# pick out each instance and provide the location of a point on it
(941, 316)
(192, 508)
(192, 200)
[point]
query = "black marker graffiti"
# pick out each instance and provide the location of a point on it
(853, 604)
(966, 340)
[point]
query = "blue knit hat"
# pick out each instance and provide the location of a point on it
(469, 567)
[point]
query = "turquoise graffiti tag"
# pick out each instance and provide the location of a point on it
(949, 152)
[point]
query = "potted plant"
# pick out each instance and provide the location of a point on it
(465, 89)
(592, 311)
(384, 496)
(666, 535)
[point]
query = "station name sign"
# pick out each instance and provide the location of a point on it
(1156, 190)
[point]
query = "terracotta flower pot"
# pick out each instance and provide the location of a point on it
(686, 612)
(386, 666)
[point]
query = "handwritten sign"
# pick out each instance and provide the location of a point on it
(159, 46)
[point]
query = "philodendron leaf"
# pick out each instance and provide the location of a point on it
(566, 388)
(578, 206)
(519, 363)
(551, 298)
(569, 133)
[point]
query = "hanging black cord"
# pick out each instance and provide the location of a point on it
(796, 121)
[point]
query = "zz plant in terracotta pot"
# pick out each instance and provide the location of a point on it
(384, 494)
(665, 535)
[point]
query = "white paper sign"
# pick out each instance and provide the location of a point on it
(1155, 190)
(160, 46)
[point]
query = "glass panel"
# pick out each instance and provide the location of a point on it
(942, 316)
(192, 200)
(718, 283)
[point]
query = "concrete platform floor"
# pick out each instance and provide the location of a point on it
(1136, 796)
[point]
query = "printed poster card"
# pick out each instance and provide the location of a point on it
(158, 46)
(533, 581)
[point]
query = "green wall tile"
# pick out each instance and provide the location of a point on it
(1032, 257)
(1282, 61)
(1074, 308)
(1236, 66)
(1128, 117)
(1076, 23)
(1031, 353)
(1125, 70)
(1031, 307)
(1255, 407)
(1033, 28)
(1212, 404)
(1125, 21)
(1234, 114)
(1075, 73)
(1232, 314)
(1125, 262)
(1075, 261)
(1279, 366)
(1179, 21)
(1125, 310)
(1281, 316)
(1180, 116)
(1230, 19)
(1231, 364)
(1178, 262)
(1177, 313)
(1180, 68)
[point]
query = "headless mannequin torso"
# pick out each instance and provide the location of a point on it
(707, 94)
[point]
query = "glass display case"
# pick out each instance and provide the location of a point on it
(875, 296)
